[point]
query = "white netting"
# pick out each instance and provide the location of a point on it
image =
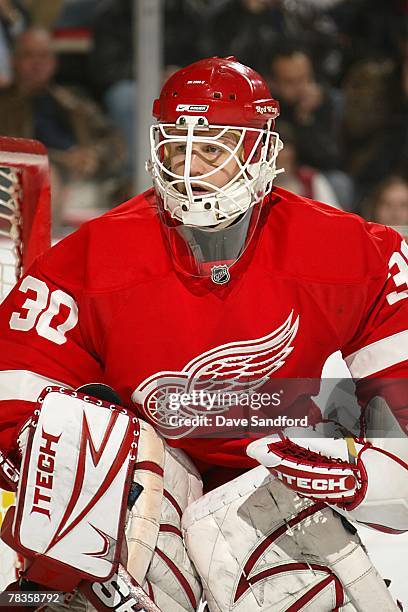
(10, 228)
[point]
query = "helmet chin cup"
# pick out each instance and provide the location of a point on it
(210, 210)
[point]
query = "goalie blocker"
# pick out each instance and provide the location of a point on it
(64, 519)
(80, 454)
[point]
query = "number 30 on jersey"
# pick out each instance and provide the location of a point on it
(41, 310)
(400, 262)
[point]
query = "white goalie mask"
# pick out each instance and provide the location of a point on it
(238, 165)
(213, 161)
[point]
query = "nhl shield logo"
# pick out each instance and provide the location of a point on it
(220, 274)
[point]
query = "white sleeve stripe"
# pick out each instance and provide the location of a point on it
(378, 355)
(23, 385)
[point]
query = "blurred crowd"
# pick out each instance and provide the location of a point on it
(339, 69)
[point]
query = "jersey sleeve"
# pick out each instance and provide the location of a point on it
(44, 335)
(377, 355)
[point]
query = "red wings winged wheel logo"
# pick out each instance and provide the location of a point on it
(235, 367)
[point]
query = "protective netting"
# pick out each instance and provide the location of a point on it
(10, 228)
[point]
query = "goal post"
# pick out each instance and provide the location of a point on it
(25, 232)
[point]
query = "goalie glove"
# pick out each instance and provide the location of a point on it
(319, 468)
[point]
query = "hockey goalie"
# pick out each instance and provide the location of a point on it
(212, 280)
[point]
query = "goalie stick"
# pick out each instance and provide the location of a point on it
(121, 591)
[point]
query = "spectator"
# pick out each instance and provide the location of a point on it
(83, 149)
(314, 111)
(375, 122)
(13, 20)
(303, 180)
(388, 204)
(245, 28)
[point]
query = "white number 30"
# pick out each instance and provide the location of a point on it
(42, 309)
(400, 260)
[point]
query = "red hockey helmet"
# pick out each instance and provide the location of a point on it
(222, 89)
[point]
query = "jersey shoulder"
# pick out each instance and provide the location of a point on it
(120, 248)
(320, 242)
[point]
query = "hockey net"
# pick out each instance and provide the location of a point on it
(24, 234)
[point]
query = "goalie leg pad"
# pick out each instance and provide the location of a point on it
(143, 518)
(173, 578)
(259, 546)
(157, 555)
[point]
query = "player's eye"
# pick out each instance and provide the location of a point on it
(213, 149)
(180, 148)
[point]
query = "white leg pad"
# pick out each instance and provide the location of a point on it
(258, 546)
(143, 520)
(174, 581)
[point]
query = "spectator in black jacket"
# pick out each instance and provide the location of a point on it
(314, 111)
(307, 105)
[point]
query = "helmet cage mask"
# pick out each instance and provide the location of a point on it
(253, 152)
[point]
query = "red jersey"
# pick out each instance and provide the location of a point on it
(106, 304)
